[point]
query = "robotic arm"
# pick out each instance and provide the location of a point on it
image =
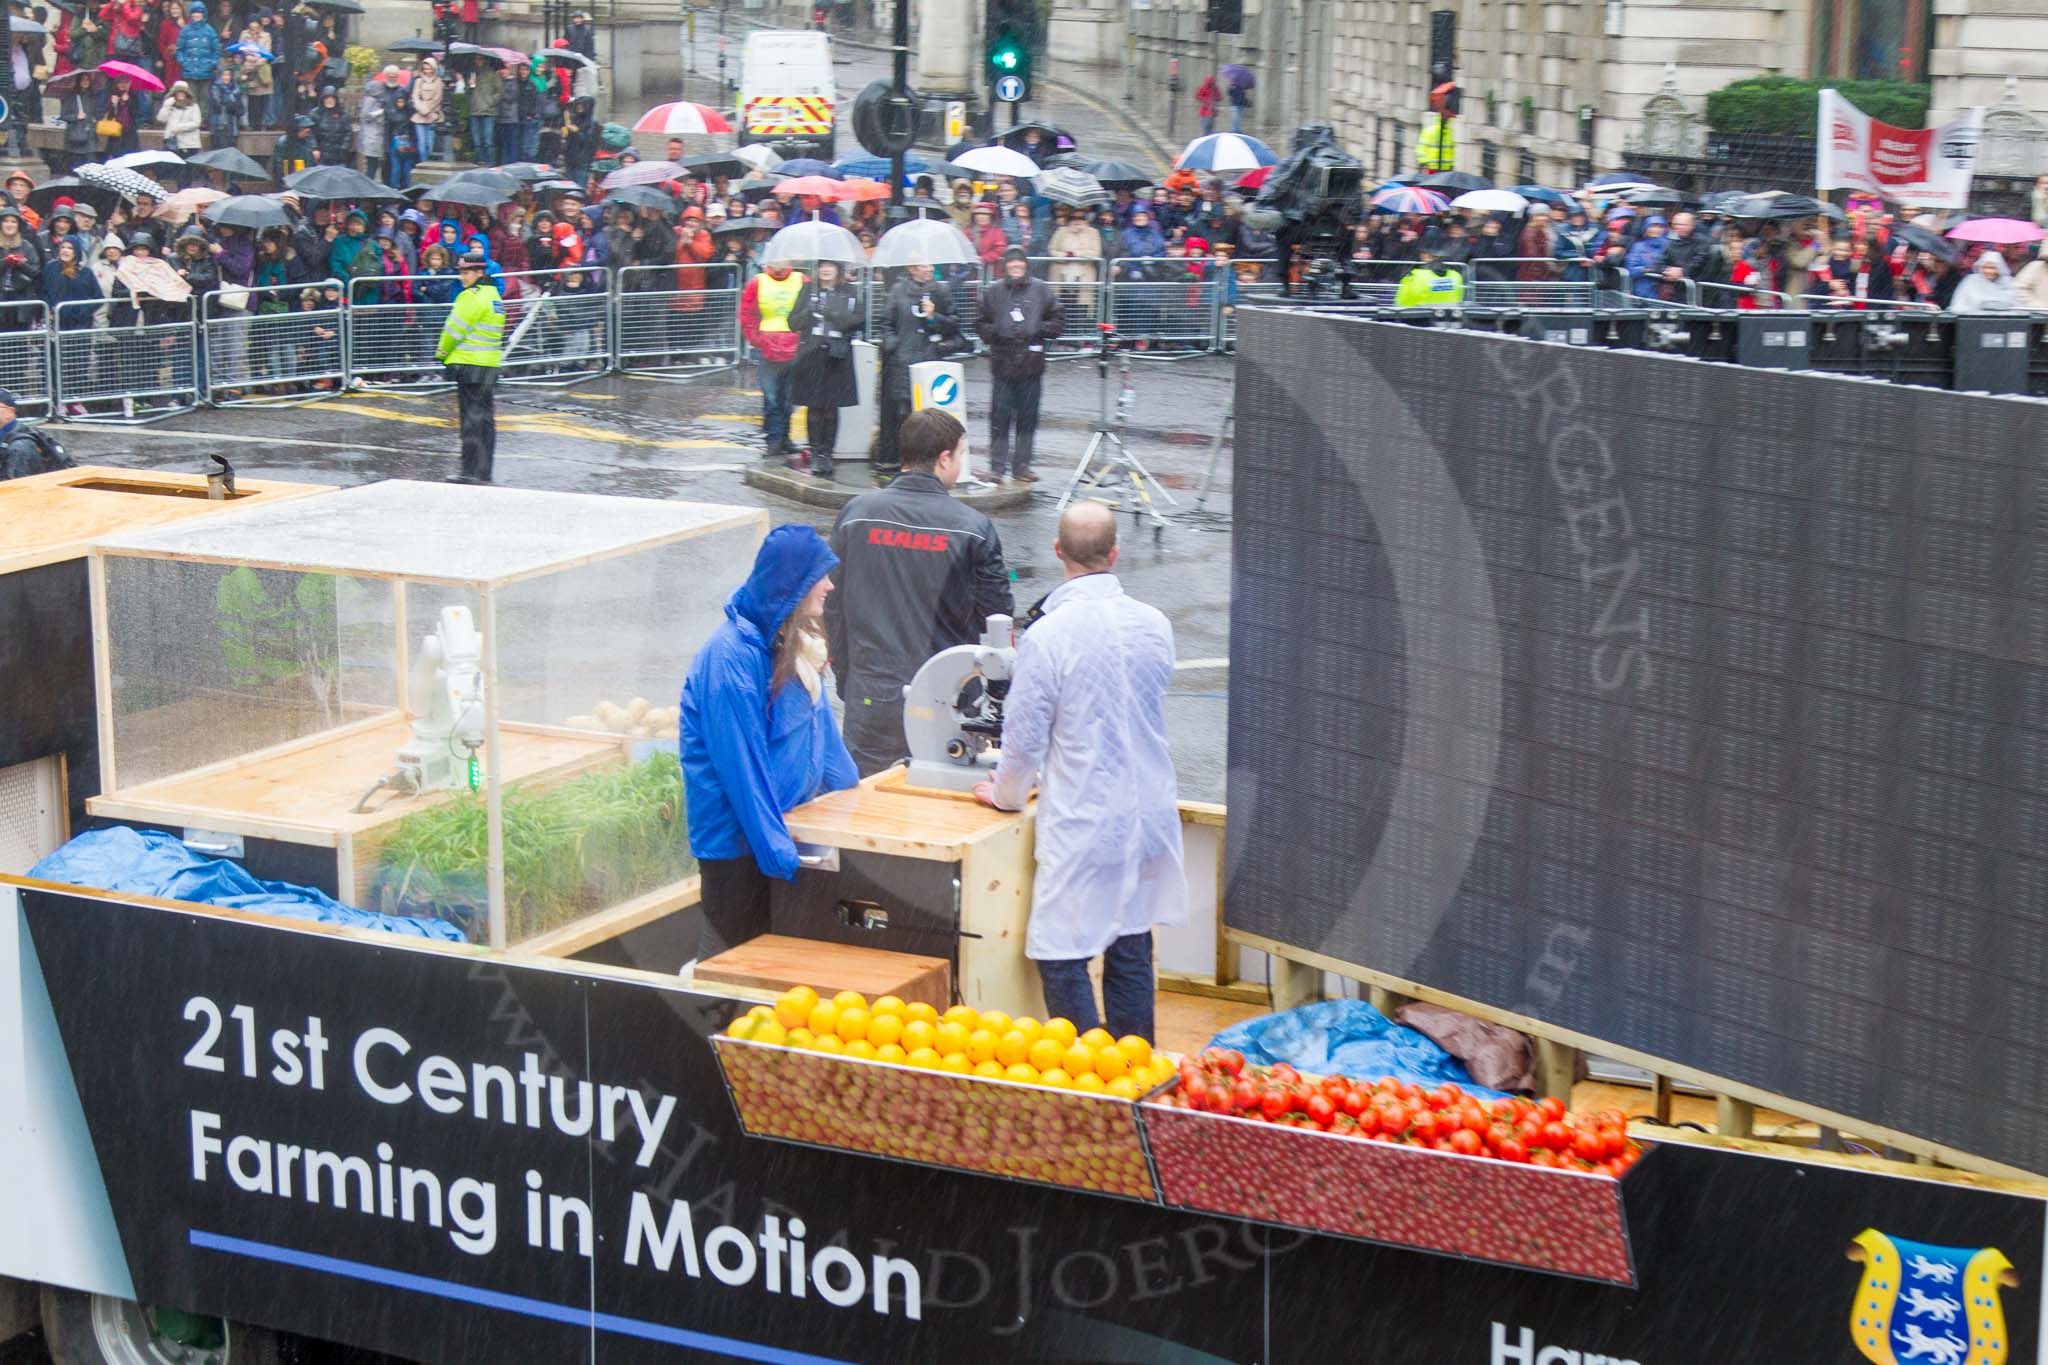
(953, 710)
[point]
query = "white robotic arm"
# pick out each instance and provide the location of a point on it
(953, 710)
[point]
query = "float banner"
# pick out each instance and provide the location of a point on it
(459, 1158)
(1923, 167)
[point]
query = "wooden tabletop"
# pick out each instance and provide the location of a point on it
(45, 518)
(879, 818)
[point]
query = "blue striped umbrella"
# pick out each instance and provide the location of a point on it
(1540, 194)
(1225, 152)
(1408, 199)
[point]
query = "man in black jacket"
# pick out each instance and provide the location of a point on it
(1019, 316)
(918, 572)
(1689, 254)
(917, 324)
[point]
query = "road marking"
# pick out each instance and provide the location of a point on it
(754, 418)
(1201, 663)
(79, 430)
(596, 397)
(541, 424)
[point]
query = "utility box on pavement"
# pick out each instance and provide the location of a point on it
(857, 423)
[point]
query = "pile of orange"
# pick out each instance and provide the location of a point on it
(963, 1040)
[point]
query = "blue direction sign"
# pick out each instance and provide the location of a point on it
(1009, 89)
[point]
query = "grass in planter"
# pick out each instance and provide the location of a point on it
(604, 838)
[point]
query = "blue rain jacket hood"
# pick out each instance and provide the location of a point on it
(748, 757)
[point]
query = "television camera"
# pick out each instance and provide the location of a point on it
(1310, 203)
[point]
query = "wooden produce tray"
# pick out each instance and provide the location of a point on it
(775, 962)
(1481, 1209)
(1033, 1133)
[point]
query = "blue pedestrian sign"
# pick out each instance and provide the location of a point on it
(1009, 89)
(944, 390)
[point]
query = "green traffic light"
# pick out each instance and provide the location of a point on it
(1007, 59)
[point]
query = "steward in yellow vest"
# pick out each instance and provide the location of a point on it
(472, 346)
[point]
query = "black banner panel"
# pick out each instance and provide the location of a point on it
(460, 1158)
(1699, 709)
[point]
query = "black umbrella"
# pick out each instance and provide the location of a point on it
(339, 6)
(756, 188)
(490, 177)
(926, 208)
(253, 211)
(531, 172)
(1912, 234)
(1114, 175)
(1652, 198)
(559, 54)
(1015, 134)
(237, 164)
(336, 182)
(558, 187)
(642, 197)
(414, 45)
(1776, 204)
(747, 224)
(1452, 182)
(63, 187)
(470, 192)
(715, 163)
(1720, 201)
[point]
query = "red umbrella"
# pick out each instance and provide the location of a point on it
(146, 79)
(1252, 179)
(816, 185)
(854, 191)
(682, 117)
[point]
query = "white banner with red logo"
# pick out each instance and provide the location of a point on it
(1923, 167)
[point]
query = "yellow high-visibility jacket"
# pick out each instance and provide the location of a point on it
(1436, 147)
(475, 331)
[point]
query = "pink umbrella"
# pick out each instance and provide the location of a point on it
(1253, 178)
(817, 186)
(1997, 231)
(682, 117)
(645, 173)
(146, 79)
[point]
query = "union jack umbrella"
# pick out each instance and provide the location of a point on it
(682, 117)
(1408, 199)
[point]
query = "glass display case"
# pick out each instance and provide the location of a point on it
(454, 701)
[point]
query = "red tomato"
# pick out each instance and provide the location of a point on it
(1423, 1123)
(1386, 1085)
(1409, 1092)
(1227, 1060)
(1512, 1149)
(1588, 1146)
(1274, 1102)
(1320, 1110)
(1283, 1073)
(1503, 1109)
(1390, 1119)
(1472, 1118)
(1552, 1108)
(1443, 1097)
(1244, 1094)
(1466, 1141)
(1352, 1101)
(1555, 1136)
(1197, 1092)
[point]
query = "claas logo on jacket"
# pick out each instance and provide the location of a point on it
(907, 540)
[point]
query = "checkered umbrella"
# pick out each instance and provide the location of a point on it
(120, 180)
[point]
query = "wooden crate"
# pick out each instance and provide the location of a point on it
(775, 962)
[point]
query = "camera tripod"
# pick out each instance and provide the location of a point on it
(1108, 460)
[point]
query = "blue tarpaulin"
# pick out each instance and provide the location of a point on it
(149, 863)
(1347, 1038)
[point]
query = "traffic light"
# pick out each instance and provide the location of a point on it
(1010, 36)
(1225, 16)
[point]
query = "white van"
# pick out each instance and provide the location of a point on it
(786, 89)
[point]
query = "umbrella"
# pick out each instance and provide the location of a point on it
(1720, 201)
(924, 241)
(231, 161)
(859, 191)
(1537, 194)
(254, 211)
(708, 164)
(123, 182)
(817, 185)
(809, 165)
(74, 75)
(562, 54)
(1407, 199)
(1912, 234)
(814, 242)
(1075, 189)
(532, 172)
(1491, 201)
(759, 155)
(250, 50)
(155, 156)
(153, 275)
(1017, 132)
(45, 195)
(1654, 197)
(682, 117)
(186, 202)
(336, 182)
(998, 160)
(496, 54)
(642, 197)
(1114, 175)
(1224, 152)
(1453, 182)
(644, 173)
(558, 187)
(1252, 179)
(414, 45)
(755, 188)
(924, 206)
(490, 177)
(1777, 204)
(1237, 77)
(1995, 231)
(128, 70)
(339, 6)
(1615, 181)
(471, 192)
(29, 27)
(732, 225)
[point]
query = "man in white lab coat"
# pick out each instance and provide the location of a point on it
(1086, 719)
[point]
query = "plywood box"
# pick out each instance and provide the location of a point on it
(775, 962)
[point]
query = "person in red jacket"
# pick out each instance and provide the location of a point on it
(989, 241)
(124, 29)
(765, 306)
(1205, 102)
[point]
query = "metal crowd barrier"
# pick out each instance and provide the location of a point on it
(1164, 298)
(1485, 287)
(273, 349)
(25, 367)
(660, 330)
(127, 371)
(1081, 284)
(389, 343)
(558, 330)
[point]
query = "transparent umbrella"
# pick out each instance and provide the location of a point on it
(923, 241)
(815, 241)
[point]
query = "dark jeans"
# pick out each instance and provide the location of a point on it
(888, 458)
(1126, 988)
(874, 731)
(774, 407)
(1013, 402)
(735, 904)
(476, 388)
(824, 429)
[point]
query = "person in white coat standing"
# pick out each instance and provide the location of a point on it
(1086, 719)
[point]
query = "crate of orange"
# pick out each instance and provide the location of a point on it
(1527, 1185)
(976, 1092)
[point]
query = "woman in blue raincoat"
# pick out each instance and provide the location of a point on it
(758, 737)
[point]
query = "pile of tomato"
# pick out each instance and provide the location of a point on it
(1534, 1132)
